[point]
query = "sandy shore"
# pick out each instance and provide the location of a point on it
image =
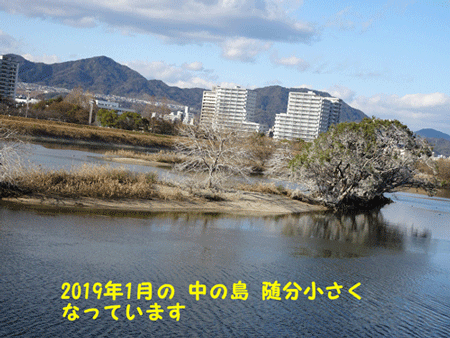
(138, 161)
(242, 203)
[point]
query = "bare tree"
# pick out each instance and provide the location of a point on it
(11, 149)
(353, 164)
(278, 165)
(261, 149)
(79, 97)
(220, 153)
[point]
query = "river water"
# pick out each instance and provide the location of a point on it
(384, 273)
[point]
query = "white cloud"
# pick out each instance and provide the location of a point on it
(304, 86)
(84, 22)
(195, 82)
(291, 61)
(8, 44)
(180, 76)
(196, 66)
(49, 59)
(415, 110)
(425, 100)
(341, 92)
(229, 84)
(243, 49)
(182, 21)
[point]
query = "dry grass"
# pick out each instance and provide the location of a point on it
(97, 182)
(442, 170)
(265, 188)
(161, 156)
(33, 127)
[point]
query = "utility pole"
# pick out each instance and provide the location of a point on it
(91, 104)
(28, 100)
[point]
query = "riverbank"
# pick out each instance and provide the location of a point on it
(444, 192)
(34, 130)
(236, 203)
(104, 187)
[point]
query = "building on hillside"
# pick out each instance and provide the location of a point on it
(179, 116)
(230, 108)
(9, 74)
(109, 105)
(308, 115)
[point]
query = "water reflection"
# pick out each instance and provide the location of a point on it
(402, 285)
(325, 235)
(343, 235)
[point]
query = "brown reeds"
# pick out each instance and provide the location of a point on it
(265, 188)
(97, 182)
(161, 156)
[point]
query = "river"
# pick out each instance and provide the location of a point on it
(384, 273)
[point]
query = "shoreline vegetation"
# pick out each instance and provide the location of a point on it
(119, 189)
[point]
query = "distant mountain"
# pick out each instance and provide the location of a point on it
(440, 146)
(105, 76)
(439, 140)
(432, 133)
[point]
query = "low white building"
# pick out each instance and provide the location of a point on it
(109, 105)
(183, 117)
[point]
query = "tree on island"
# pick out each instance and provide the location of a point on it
(217, 152)
(353, 164)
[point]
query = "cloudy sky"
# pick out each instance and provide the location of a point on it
(388, 58)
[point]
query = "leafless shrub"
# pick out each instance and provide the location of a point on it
(261, 149)
(11, 150)
(215, 151)
(278, 164)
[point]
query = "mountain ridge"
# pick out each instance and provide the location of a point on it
(103, 75)
(439, 140)
(432, 133)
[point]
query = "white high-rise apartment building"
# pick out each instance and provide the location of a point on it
(308, 115)
(230, 108)
(9, 73)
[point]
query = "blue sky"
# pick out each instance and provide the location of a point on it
(388, 58)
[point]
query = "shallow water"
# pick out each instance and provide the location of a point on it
(404, 279)
(400, 255)
(62, 158)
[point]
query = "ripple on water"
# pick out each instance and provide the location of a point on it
(404, 287)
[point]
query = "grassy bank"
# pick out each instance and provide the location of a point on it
(117, 183)
(71, 131)
(103, 188)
